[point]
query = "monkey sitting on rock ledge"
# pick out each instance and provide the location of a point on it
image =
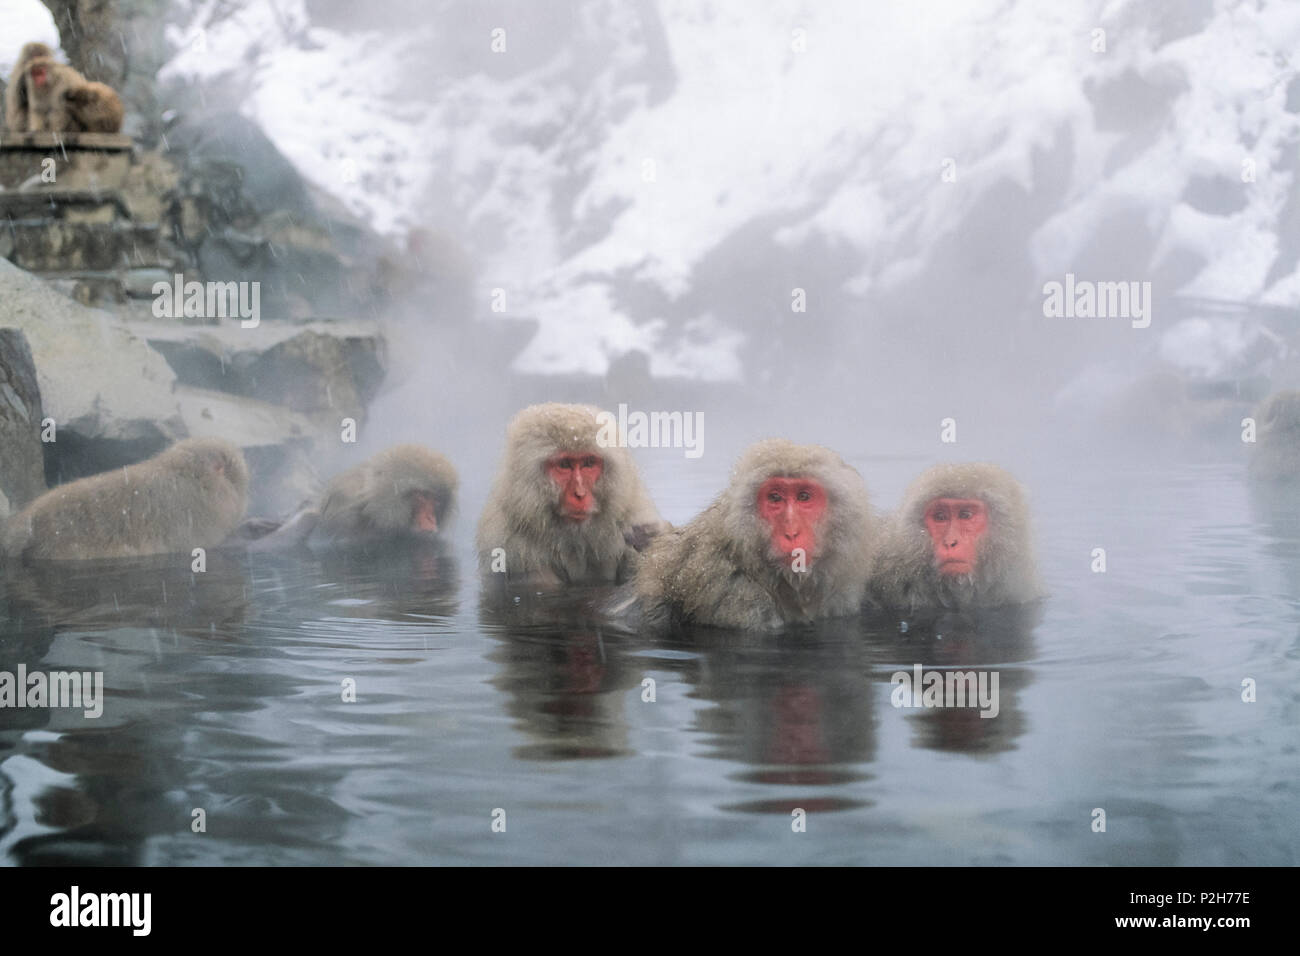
(45, 95)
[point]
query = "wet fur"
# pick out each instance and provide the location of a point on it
(717, 570)
(369, 502)
(190, 496)
(1005, 573)
(69, 104)
(520, 515)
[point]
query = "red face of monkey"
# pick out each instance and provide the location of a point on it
(424, 512)
(956, 526)
(793, 509)
(575, 477)
(38, 75)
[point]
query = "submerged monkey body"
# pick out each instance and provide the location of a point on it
(189, 496)
(725, 569)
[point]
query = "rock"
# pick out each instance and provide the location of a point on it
(277, 444)
(325, 369)
(110, 394)
(81, 160)
(22, 466)
(245, 214)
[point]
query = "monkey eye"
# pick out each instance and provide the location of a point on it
(589, 462)
(941, 515)
(565, 464)
(774, 496)
(965, 514)
(805, 496)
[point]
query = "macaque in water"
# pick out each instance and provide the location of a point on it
(407, 491)
(1277, 441)
(44, 95)
(960, 540)
(789, 541)
(190, 496)
(565, 508)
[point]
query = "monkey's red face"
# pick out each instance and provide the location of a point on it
(956, 526)
(575, 477)
(793, 509)
(424, 513)
(39, 76)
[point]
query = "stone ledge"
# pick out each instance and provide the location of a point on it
(68, 142)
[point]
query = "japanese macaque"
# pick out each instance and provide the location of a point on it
(960, 540)
(407, 491)
(190, 496)
(790, 541)
(16, 112)
(1277, 441)
(47, 96)
(568, 505)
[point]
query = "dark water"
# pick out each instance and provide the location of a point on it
(1122, 691)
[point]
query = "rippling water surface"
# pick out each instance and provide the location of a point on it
(224, 691)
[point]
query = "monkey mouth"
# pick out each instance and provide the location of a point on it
(956, 566)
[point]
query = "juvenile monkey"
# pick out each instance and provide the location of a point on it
(961, 539)
(1277, 444)
(47, 96)
(407, 491)
(790, 541)
(568, 505)
(190, 496)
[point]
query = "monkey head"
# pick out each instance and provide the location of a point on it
(962, 539)
(408, 489)
(797, 506)
(568, 473)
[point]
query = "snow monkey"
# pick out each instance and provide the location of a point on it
(790, 541)
(407, 491)
(44, 95)
(960, 540)
(1277, 445)
(568, 505)
(16, 113)
(190, 496)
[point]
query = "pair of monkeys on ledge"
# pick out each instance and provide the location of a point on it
(44, 95)
(792, 539)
